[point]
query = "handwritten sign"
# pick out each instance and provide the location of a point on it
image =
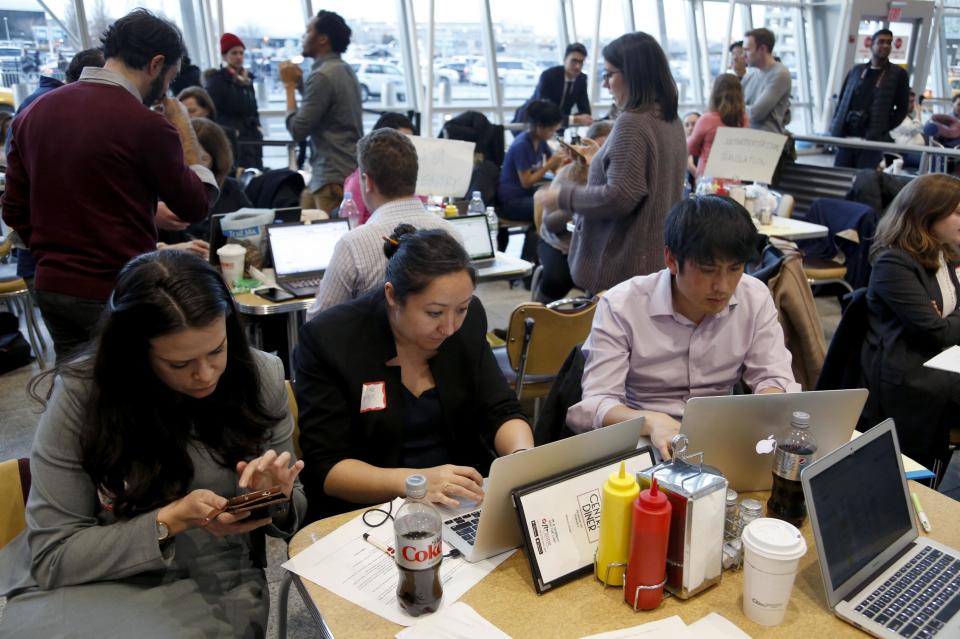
(744, 154)
(445, 166)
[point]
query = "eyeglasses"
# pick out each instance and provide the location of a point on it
(606, 75)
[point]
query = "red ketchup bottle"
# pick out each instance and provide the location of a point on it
(649, 536)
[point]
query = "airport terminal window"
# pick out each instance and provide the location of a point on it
(526, 45)
(33, 43)
(458, 51)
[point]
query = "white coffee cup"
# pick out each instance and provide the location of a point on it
(231, 263)
(772, 550)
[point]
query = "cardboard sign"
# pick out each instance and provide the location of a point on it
(744, 154)
(445, 166)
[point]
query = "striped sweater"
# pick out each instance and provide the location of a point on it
(634, 180)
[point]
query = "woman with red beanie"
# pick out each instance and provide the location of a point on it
(231, 88)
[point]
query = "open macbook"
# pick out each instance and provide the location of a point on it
(302, 252)
(491, 529)
(878, 573)
(737, 433)
(476, 238)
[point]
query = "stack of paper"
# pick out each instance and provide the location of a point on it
(346, 565)
(713, 626)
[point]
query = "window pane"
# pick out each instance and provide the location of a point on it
(458, 48)
(526, 41)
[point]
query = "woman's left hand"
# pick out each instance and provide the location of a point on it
(269, 470)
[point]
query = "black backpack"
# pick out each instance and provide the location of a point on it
(14, 350)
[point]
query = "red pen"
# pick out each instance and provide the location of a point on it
(376, 543)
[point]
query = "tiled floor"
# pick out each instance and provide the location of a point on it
(19, 416)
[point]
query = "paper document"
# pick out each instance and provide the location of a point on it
(713, 626)
(457, 621)
(445, 166)
(716, 626)
(948, 360)
(346, 565)
(669, 628)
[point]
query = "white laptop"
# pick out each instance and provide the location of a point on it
(483, 532)
(476, 238)
(878, 573)
(737, 433)
(302, 252)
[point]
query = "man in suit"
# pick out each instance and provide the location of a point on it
(566, 86)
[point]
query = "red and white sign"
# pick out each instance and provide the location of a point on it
(894, 14)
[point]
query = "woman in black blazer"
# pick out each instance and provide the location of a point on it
(402, 381)
(913, 315)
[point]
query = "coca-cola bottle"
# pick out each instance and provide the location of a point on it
(795, 451)
(419, 550)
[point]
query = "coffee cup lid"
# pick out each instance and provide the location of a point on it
(774, 539)
(231, 249)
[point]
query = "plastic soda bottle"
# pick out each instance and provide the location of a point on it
(419, 550)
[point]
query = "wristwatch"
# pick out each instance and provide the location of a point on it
(163, 533)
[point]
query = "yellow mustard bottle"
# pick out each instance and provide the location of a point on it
(616, 505)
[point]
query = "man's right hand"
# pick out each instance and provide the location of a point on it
(448, 484)
(661, 429)
(174, 111)
(290, 73)
(582, 119)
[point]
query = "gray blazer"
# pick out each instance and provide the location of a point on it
(118, 577)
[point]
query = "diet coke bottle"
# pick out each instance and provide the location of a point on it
(419, 550)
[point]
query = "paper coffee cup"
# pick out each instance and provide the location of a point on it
(772, 550)
(231, 262)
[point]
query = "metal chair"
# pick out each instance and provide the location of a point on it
(15, 293)
(538, 340)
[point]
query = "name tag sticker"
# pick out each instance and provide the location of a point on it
(373, 397)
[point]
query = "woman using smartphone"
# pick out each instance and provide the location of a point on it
(144, 436)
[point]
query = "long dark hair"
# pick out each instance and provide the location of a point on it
(726, 99)
(137, 431)
(646, 72)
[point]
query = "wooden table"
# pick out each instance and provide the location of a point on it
(507, 599)
(505, 267)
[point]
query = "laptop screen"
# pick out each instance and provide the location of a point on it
(860, 507)
(304, 248)
(476, 235)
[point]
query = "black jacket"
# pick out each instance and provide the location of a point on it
(550, 87)
(237, 110)
(889, 105)
(903, 332)
(348, 346)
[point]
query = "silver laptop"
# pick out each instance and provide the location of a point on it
(737, 433)
(878, 573)
(491, 529)
(302, 252)
(476, 238)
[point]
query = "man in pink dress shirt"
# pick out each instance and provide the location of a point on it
(692, 329)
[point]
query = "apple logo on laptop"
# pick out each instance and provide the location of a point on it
(766, 446)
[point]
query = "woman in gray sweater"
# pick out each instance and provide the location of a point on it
(635, 178)
(142, 440)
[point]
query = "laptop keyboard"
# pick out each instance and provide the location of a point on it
(310, 282)
(920, 598)
(465, 526)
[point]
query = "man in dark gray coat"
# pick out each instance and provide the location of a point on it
(873, 102)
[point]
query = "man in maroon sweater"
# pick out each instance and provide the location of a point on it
(87, 164)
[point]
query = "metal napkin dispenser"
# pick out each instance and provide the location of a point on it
(697, 493)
